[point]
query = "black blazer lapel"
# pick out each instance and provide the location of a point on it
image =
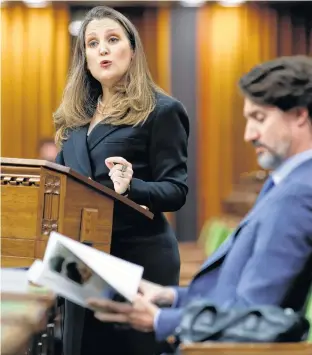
(79, 137)
(99, 132)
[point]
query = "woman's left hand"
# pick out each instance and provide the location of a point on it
(120, 173)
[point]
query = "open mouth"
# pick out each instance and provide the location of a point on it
(105, 63)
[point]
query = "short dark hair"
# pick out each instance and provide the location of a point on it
(285, 82)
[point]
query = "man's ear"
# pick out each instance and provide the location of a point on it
(302, 114)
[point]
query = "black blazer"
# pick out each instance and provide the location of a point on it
(157, 151)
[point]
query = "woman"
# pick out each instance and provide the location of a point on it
(117, 127)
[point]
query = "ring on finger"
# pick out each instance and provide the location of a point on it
(124, 168)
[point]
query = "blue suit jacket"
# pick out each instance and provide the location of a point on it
(266, 261)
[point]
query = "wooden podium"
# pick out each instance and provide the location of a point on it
(38, 197)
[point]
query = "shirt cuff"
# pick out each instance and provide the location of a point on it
(175, 299)
(156, 318)
(157, 315)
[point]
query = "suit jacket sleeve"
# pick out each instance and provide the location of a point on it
(180, 293)
(282, 249)
(168, 320)
(168, 161)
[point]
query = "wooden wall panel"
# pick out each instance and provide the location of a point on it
(31, 128)
(163, 30)
(34, 58)
(163, 79)
(153, 25)
(148, 31)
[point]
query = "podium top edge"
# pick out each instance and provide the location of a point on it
(84, 180)
(34, 163)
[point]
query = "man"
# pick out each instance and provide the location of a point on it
(268, 258)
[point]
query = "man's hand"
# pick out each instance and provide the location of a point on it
(143, 314)
(140, 314)
(156, 293)
(110, 311)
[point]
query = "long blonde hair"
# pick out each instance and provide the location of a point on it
(134, 96)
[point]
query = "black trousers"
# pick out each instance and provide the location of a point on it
(107, 338)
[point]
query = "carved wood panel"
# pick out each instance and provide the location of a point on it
(18, 180)
(51, 205)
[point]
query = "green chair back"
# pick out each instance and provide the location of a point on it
(309, 317)
(213, 234)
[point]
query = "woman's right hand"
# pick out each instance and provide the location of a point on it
(156, 293)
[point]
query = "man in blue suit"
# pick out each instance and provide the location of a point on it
(268, 258)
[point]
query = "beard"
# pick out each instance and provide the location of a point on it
(271, 159)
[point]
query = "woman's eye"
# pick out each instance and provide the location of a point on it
(92, 44)
(113, 40)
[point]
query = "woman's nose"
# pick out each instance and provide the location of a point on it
(103, 50)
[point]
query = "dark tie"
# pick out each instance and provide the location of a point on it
(267, 186)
